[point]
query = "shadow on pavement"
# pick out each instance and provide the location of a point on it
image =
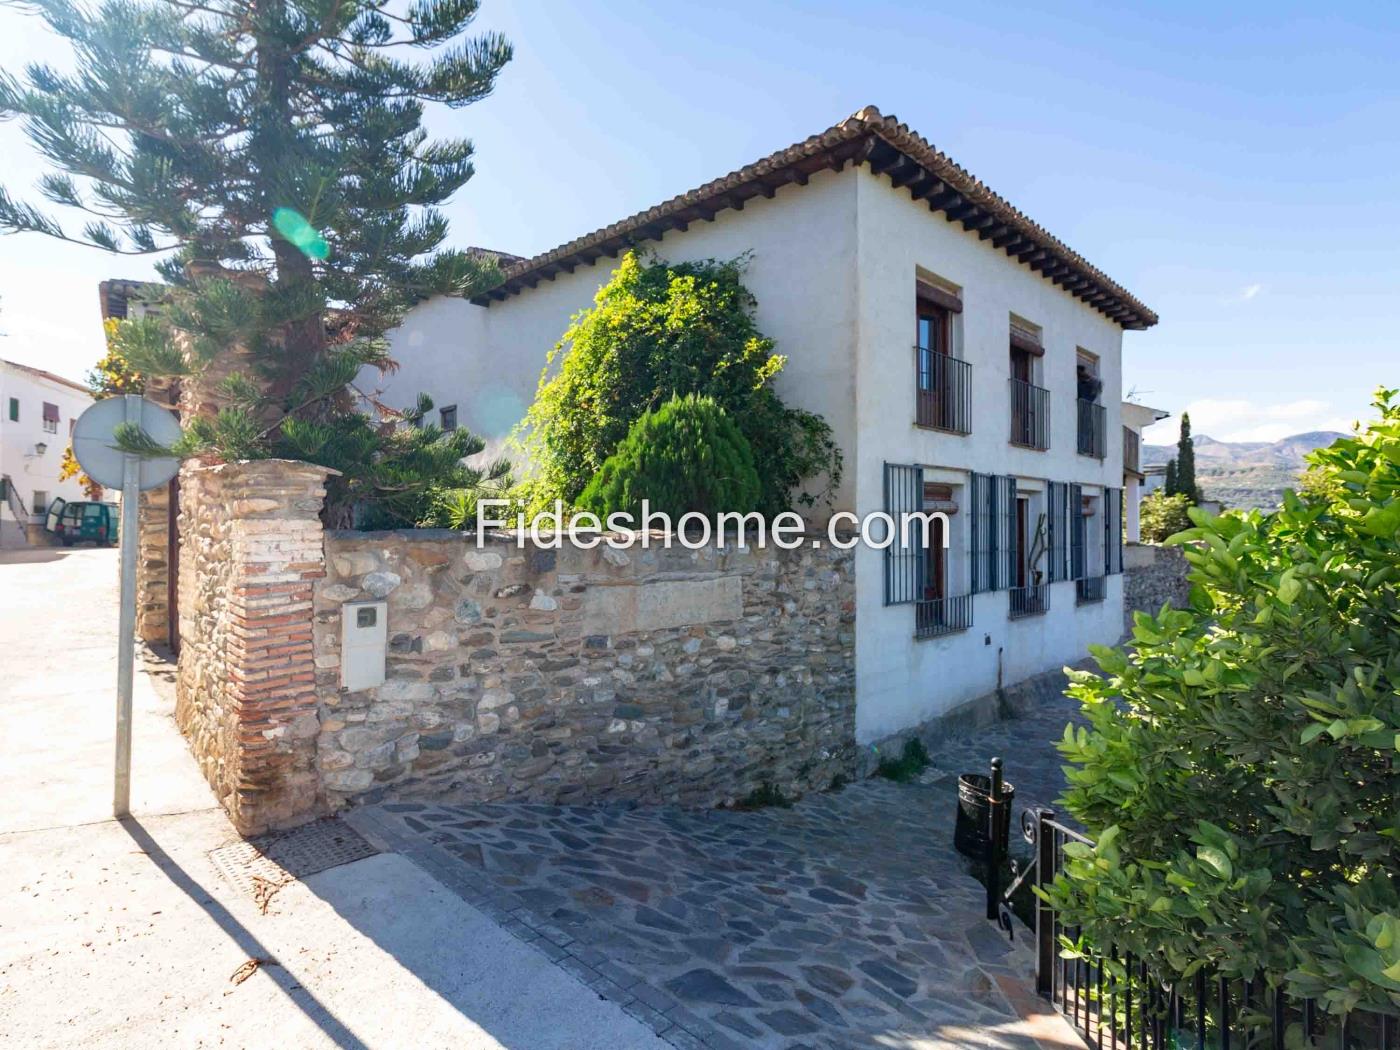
(296, 993)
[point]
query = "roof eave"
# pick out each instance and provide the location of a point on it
(888, 149)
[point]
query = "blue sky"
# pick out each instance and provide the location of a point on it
(1234, 165)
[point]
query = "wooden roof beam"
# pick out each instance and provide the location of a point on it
(947, 199)
(992, 230)
(979, 222)
(957, 211)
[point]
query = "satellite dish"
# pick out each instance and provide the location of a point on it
(95, 441)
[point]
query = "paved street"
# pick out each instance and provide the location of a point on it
(846, 921)
(118, 934)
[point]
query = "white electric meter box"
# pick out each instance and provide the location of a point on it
(364, 644)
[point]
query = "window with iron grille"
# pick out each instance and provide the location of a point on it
(1077, 533)
(1009, 540)
(1057, 531)
(1112, 531)
(982, 521)
(904, 558)
(448, 416)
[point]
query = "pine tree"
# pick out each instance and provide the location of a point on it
(1186, 462)
(272, 152)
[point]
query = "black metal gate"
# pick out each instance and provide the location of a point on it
(1116, 1002)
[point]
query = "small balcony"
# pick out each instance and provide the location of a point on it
(1030, 600)
(1092, 422)
(1132, 451)
(1030, 415)
(1088, 589)
(943, 395)
(938, 616)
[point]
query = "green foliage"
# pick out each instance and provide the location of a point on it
(764, 796)
(273, 151)
(912, 761)
(1181, 471)
(656, 331)
(1161, 516)
(688, 455)
(1240, 771)
(113, 374)
(456, 508)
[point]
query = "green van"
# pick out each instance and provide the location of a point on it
(82, 521)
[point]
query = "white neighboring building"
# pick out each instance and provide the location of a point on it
(1138, 480)
(966, 360)
(37, 413)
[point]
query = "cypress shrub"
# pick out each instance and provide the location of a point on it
(687, 455)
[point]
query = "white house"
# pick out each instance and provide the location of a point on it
(1138, 480)
(37, 413)
(966, 360)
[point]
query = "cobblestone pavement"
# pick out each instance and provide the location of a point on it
(846, 921)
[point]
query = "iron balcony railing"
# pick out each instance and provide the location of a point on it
(943, 391)
(1089, 589)
(1092, 420)
(1132, 451)
(935, 616)
(1030, 600)
(1115, 1001)
(1030, 415)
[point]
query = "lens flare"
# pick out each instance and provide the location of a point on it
(292, 225)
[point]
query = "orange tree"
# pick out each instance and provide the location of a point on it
(1240, 771)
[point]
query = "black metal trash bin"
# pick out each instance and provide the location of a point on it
(974, 802)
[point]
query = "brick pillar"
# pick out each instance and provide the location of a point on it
(251, 549)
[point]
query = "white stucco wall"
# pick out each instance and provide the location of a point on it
(901, 681)
(833, 269)
(488, 360)
(28, 470)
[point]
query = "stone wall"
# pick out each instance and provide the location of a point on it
(153, 545)
(153, 566)
(679, 676)
(1153, 576)
(251, 548)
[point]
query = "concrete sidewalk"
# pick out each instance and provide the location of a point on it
(125, 934)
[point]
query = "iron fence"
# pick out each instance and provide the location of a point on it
(1132, 451)
(935, 616)
(1030, 600)
(1030, 415)
(1089, 589)
(943, 392)
(1115, 1001)
(1092, 423)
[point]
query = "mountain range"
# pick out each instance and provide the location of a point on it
(1246, 474)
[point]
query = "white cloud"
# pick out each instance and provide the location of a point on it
(1250, 291)
(1242, 420)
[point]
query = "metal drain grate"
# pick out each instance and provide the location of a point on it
(278, 859)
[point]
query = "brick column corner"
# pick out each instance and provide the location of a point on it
(252, 549)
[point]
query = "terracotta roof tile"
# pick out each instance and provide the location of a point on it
(867, 137)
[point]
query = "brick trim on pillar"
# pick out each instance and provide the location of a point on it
(252, 547)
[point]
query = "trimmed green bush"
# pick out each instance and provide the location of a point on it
(657, 330)
(686, 456)
(1241, 771)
